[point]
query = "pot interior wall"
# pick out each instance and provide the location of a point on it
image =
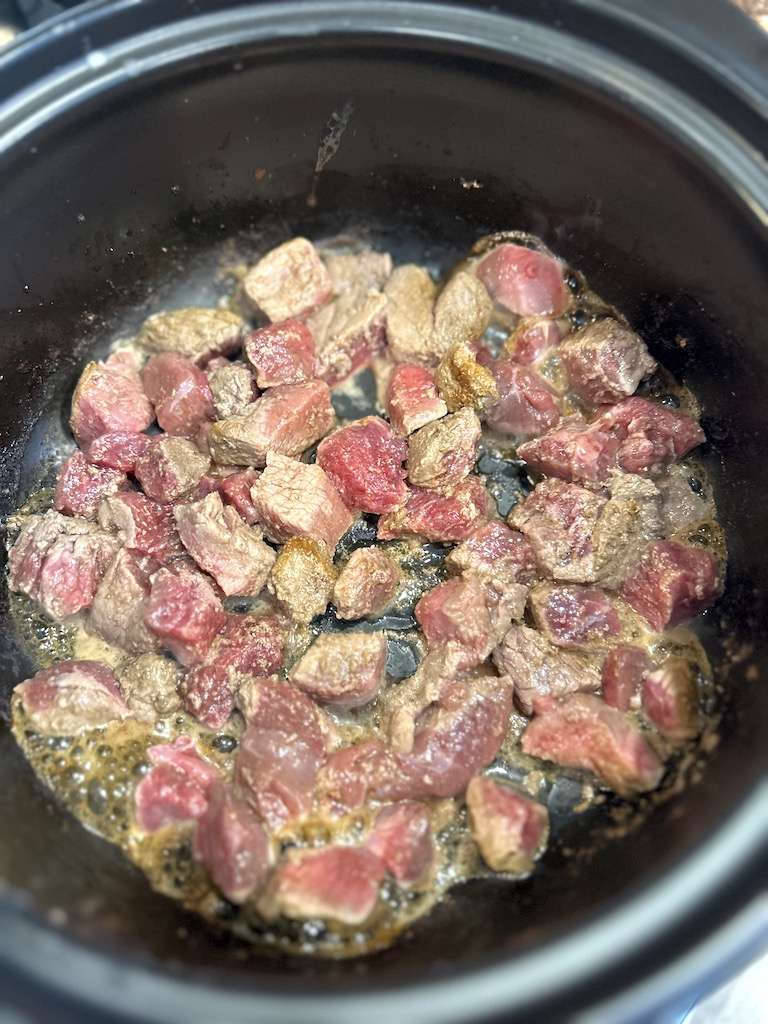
(110, 212)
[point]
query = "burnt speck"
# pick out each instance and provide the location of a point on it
(696, 485)
(224, 744)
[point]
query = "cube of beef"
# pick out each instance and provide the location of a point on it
(671, 702)
(685, 500)
(235, 490)
(335, 883)
(170, 468)
(533, 338)
(117, 612)
(80, 486)
(302, 578)
(623, 671)
(71, 697)
(511, 829)
(442, 454)
(650, 436)
(583, 732)
(224, 546)
(352, 774)
(365, 463)
(524, 281)
(462, 313)
(117, 450)
(289, 281)
(572, 451)
(343, 669)
(280, 752)
(109, 398)
(462, 380)
(672, 582)
(232, 844)
(293, 499)
(177, 787)
(287, 420)
(150, 685)
(540, 671)
(438, 517)
(626, 523)
(457, 612)
(180, 393)
(410, 294)
(605, 361)
(496, 552)
(405, 703)
(526, 407)
(366, 585)
(411, 398)
(233, 389)
(281, 353)
(196, 333)
(401, 838)
(572, 616)
(141, 524)
(184, 612)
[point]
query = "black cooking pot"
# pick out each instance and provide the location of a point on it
(135, 139)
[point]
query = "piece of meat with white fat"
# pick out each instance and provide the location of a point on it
(583, 732)
(118, 450)
(365, 463)
(141, 524)
(412, 400)
(574, 616)
(510, 828)
(439, 517)
(71, 697)
(401, 838)
(197, 333)
(442, 454)
(672, 582)
(650, 436)
(109, 398)
(233, 389)
(282, 353)
(540, 671)
(150, 685)
(343, 669)
(573, 451)
(623, 672)
(493, 551)
(184, 611)
(533, 338)
(293, 499)
(170, 468)
(462, 380)
(366, 585)
(232, 552)
(289, 281)
(80, 486)
(281, 750)
(117, 611)
(232, 844)
(177, 787)
(336, 883)
(670, 701)
(525, 407)
(524, 281)
(605, 361)
(302, 578)
(286, 420)
(180, 393)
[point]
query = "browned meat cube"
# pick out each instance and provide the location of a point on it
(526, 407)
(233, 389)
(524, 281)
(334, 883)
(404, 704)
(293, 499)
(199, 334)
(457, 612)
(180, 393)
(572, 451)
(533, 338)
(80, 486)
(605, 361)
(302, 578)
(511, 829)
(685, 500)
(463, 381)
(224, 546)
(141, 524)
(462, 312)
(439, 517)
(410, 294)
(402, 839)
(150, 684)
(177, 787)
(170, 468)
(630, 518)
(117, 612)
(185, 613)
(235, 490)
(365, 463)
(650, 436)
(571, 616)
(670, 701)
(343, 669)
(411, 398)
(540, 671)
(72, 696)
(442, 454)
(281, 353)
(286, 419)
(582, 732)
(673, 582)
(352, 774)
(623, 671)
(117, 450)
(366, 585)
(494, 551)
(290, 281)
(109, 398)
(233, 846)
